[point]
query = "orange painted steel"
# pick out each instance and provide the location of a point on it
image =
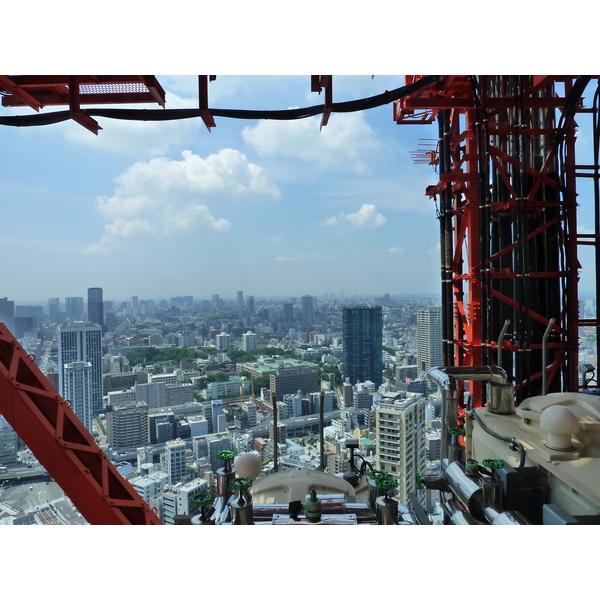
(508, 221)
(61, 443)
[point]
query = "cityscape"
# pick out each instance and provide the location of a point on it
(165, 385)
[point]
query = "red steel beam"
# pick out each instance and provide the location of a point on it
(58, 439)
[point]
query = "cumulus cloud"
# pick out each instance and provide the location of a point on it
(339, 145)
(396, 250)
(163, 197)
(365, 216)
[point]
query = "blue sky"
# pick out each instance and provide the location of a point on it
(268, 207)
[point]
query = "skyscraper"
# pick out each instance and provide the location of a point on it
(308, 311)
(240, 303)
(53, 309)
(74, 308)
(429, 338)
(362, 329)
(82, 341)
(96, 307)
(7, 313)
(288, 312)
(77, 389)
(250, 306)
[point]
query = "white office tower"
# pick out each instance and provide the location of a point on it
(216, 412)
(401, 443)
(175, 460)
(81, 341)
(429, 338)
(77, 380)
(249, 341)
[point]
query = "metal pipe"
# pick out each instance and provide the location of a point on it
(496, 516)
(387, 511)
(501, 341)
(456, 515)
(275, 447)
(445, 378)
(466, 488)
(322, 429)
(544, 354)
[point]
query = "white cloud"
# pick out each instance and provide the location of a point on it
(163, 197)
(338, 145)
(434, 251)
(288, 259)
(365, 216)
(396, 250)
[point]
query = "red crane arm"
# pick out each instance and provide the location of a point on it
(58, 439)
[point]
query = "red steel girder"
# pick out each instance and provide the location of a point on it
(58, 439)
(53, 90)
(205, 113)
(323, 82)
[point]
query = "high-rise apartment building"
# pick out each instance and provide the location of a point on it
(429, 338)
(77, 389)
(7, 313)
(127, 426)
(249, 341)
(81, 341)
(95, 307)
(223, 341)
(401, 443)
(362, 329)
